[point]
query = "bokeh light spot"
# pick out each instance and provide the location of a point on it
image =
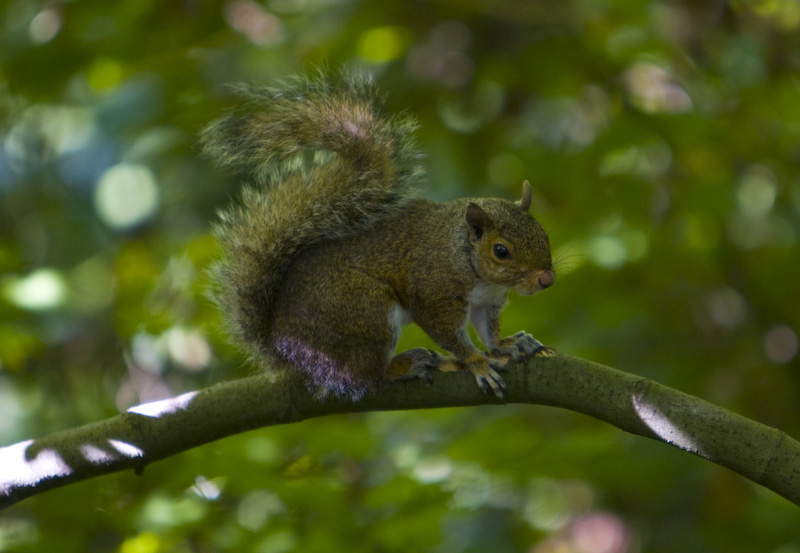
(383, 44)
(757, 191)
(255, 23)
(600, 533)
(608, 252)
(104, 74)
(781, 344)
(653, 89)
(126, 195)
(727, 307)
(45, 26)
(188, 348)
(42, 289)
(257, 508)
(146, 542)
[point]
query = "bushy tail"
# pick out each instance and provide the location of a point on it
(326, 165)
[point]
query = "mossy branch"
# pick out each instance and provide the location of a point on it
(153, 431)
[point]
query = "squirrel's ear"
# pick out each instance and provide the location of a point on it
(477, 220)
(525, 203)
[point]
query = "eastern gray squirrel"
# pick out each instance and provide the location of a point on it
(328, 254)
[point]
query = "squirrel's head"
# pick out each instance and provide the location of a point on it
(509, 246)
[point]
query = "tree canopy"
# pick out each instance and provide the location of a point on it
(661, 139)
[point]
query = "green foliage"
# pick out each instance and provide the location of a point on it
(661, 139)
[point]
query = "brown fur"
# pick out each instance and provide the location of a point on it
(328, 255)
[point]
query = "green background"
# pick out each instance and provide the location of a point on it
(662, 140)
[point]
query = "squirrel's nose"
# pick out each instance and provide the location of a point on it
(545, 278)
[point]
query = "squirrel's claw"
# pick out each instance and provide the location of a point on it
(521, 344)
(488, 379)
(544, 352)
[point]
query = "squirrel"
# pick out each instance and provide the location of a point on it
(329, 253)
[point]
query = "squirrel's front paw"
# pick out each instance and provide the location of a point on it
(520, 344)
(485, 372)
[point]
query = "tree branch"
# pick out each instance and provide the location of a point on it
(153, 431)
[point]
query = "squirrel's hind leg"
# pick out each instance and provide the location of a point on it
(341, 341)
(414, 363)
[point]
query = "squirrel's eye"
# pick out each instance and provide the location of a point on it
(501, 251)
